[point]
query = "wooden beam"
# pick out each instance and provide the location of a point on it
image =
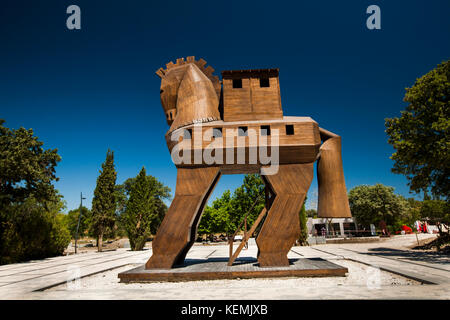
(247, 236)
(282, 226)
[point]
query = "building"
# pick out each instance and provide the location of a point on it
(251, 95)
(336, 227)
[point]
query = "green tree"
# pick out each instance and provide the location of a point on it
(26, 169)
(372, 204)
(436, 212)
(33, 230)
(216, 218)
(104, 203)
(140, 211)
(227, 212)
(421, 136)
(244, 197)
(31, 225)
(311, 213)
(160, 193)
(303, 227)
(71, 221)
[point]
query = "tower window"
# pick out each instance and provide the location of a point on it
(289, 129)
(265, 130)
(242, 131)
(237, 83)
(264, 82)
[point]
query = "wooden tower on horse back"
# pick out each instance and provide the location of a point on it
(220, 128)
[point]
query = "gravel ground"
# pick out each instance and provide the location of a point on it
(359, 275)
(361, 282)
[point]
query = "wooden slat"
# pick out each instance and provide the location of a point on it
(282, 227)
(248, 235)
(211, 270)
(333, 199)
(176, 233)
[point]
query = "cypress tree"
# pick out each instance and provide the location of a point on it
(141, 210)
(303, 226)
(104, 204)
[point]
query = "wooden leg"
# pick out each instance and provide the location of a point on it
(333, 200)
(177, 232)
(282, 225)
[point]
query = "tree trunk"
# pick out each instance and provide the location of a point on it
(100, 241)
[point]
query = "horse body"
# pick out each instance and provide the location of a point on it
(240, 129)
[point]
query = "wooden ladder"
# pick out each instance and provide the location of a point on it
(247, 235)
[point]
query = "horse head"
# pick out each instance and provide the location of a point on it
(189, 92)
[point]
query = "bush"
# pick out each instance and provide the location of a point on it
(32, 231)
(71, 221)
(30, 224)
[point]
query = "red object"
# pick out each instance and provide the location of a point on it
(407, 229)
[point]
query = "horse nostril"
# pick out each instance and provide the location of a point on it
(161, 91)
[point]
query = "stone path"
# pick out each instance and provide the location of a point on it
(18, 280)
(47, 279)
(428, 268)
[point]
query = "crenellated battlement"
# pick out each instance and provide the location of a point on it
(200, 63)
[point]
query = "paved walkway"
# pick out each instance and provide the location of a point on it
(33, 280)
(20, 279)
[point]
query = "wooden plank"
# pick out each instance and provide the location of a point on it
(290, 185)
(333, 199)
(248, 235)
(219, 270)
(177, 231)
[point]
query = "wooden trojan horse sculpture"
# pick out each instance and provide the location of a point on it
(199, 111)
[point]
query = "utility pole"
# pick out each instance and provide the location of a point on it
(79, 218)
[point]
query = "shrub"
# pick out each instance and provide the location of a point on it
(31, 230)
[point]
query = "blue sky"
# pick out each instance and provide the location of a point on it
(84, 91)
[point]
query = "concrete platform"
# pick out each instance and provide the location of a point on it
(243, 268)
(353, 240)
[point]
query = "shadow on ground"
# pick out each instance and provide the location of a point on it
(430, 257)
(238, 261)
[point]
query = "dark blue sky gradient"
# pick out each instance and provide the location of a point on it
(88, 90)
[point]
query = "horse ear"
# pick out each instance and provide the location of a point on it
(160, 72)
(333, 199)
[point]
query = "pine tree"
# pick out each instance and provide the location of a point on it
(303, 226)
(141, 211)
(104, 204)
